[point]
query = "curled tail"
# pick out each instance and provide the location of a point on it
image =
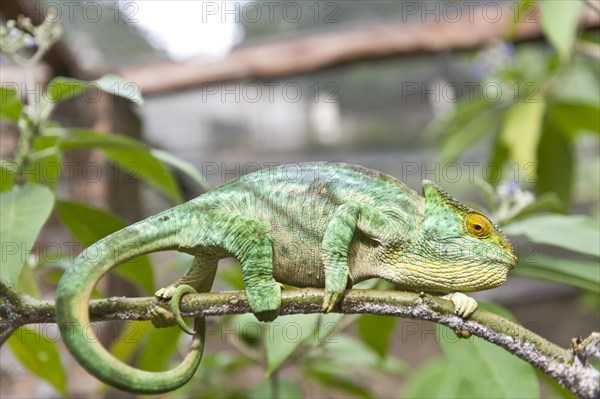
(157, 233)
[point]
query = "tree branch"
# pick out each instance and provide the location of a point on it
(310, 52)
(567, 366)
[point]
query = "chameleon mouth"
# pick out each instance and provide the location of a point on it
(512, 263)
(508, 262)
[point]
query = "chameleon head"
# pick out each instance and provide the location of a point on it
(457, 248)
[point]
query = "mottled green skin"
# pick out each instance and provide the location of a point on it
(308, 225)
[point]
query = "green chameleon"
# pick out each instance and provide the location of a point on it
(307, 225)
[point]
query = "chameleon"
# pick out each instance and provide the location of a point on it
(321, 225)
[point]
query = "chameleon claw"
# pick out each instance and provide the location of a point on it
(464, 306)
(179, 292)
(330, 300)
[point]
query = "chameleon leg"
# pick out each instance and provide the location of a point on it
(264, 293)
(250, 242)
(199, 278)
(336, 240)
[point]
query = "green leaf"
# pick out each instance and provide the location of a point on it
(520, 15)
(438, 379)
(463, 136)
(285, 335)
(51, 128)
(23, 212)
(45, 164)
(500, 154)
(53, 275)
(577, 273)
(133, 336)
(286, 390)
(10, 104)
(340, 353)
(544, 202)
(232, 276)
(116, 86)
(159, 348)
(488, 193)
(455, 117)
(133, 156)
(497, 309)
(26, 283)
(558, 390)
(342, 350)
(576, 117)
(465, 124)
(326, 329)
(251, 332)
(184, 166)
(88, 225)
(556, 165)
(40, 356)
(221, 365)
(62, 89)
(580, 84)
(491, 371)
(337, 378)
(375, 331)
(521, 130)
(576, 233)
(7, 173)
(559, 23)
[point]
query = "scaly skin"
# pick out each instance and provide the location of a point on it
(309, 225)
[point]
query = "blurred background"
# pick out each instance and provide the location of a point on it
(498, 102)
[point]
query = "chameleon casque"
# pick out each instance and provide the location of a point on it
(320, 225)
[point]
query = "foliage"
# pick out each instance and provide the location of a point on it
(535, 105)
(474, 368)
(548, 105)
(29, 195)
(535, 99)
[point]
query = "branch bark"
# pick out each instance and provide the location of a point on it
(568, 367)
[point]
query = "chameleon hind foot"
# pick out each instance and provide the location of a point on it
(174, 294)
(265, 300)
(464, 305)
(161, 317)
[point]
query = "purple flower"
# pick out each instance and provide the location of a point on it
(509, 188)
(15, 32)
(493, 58)
(30, 41)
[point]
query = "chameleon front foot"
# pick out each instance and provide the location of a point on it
(174, 294)
(330, 299)
(335, 287)
(464, 305)
(165, 293)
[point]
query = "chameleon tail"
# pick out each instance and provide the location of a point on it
(157, 233)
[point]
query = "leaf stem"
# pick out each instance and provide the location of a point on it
(274, 383)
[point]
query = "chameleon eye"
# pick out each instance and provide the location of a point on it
(478, 225)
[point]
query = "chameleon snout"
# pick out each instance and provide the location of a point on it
(513, 260)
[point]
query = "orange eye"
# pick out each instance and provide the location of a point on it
(478, 225)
